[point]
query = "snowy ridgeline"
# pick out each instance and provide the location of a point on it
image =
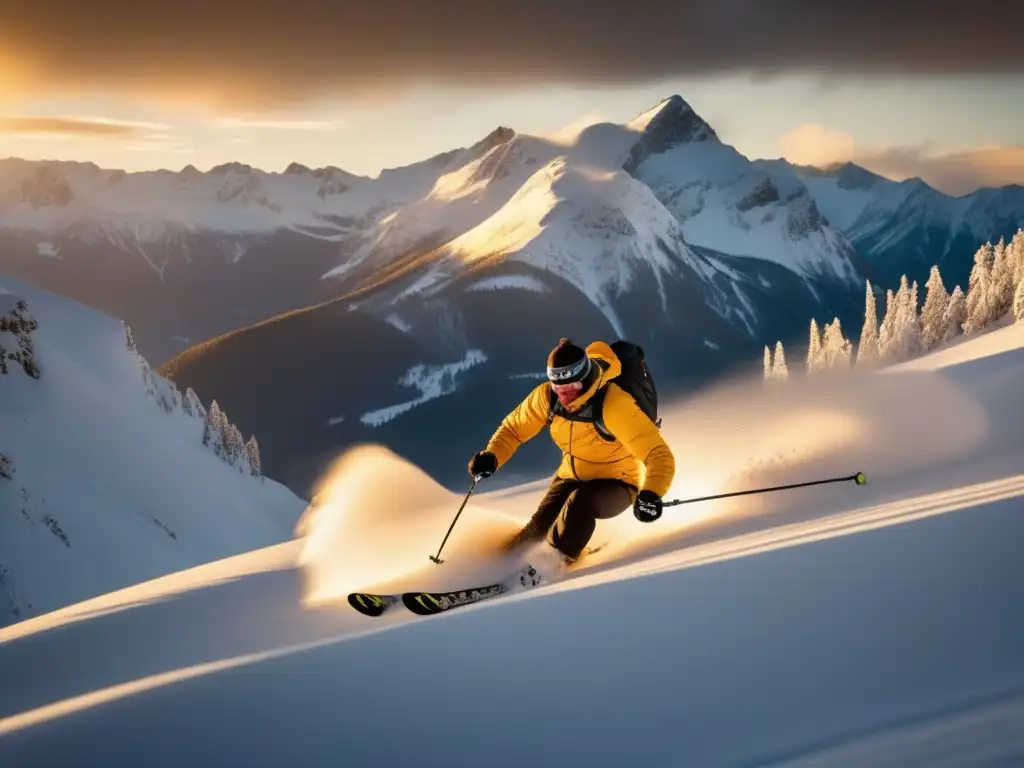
(432, 382)
(219, 434)
(108, 475)
(995, 295)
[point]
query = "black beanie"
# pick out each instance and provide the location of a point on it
(567, 363)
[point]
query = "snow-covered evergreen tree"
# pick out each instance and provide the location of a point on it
(867, 350)
(1018, 303)
(1016, 257)
(129, 339)
(814, 357)
(1001, 282)
(192, 405)
(767, 363)
(887, 326)
(779, 369)
(910, 323)
(901, 337)
(20, 323)
(836, 350)
(933, 314)
(212, 427)
(224, 431)
(252, 453)
(236, 447)
(979, 303)
(955, 316)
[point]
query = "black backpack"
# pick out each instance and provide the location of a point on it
(635, 379)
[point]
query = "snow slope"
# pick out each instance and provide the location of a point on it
(836, 625)
(109, 488)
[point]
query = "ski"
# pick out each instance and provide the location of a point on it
(370, 604)
(429, 603)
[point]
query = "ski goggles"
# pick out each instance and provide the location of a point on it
(567, 374)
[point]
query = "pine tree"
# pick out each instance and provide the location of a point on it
(814, 358)
(867, 350)
(237, 452)
(1018, 303)
(779, 369)
(1001, 283)
(978, 291)
(885, 330)
(212, 427)
(836, 350)
(129, 340)
(955, 316)
(934, 311)
(192, 405)
(910, 324)
(252, 453)
(767, 363)
(1016, 259)
(224, 445)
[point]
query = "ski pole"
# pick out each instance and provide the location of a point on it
(859, 479)
(436, 558)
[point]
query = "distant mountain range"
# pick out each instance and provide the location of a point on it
(905, 227)
(334, 309)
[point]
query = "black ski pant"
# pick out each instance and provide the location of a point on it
(570, 509)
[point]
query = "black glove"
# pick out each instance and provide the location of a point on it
(483, 464)
(647, 507)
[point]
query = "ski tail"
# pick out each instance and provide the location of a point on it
(370, 604)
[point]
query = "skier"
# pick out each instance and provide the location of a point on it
(608, 444)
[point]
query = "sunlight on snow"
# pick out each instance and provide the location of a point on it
(377, 518)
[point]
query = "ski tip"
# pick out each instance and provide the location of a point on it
(860, 478)
(369, 604)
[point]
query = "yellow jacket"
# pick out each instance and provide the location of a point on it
(638, 456)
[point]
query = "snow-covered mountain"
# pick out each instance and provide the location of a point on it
(905, 227)
(829, 626)
(664, 180)
(184, 256)
(530, 240)
(188, 256)
(104, 476)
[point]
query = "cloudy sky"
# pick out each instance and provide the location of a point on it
(905, 87)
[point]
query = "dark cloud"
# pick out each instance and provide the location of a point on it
(262, 52)
(70, 126)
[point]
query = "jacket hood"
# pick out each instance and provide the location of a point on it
(598, 351)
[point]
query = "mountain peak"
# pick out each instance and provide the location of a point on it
(497, 137)
(849, 175)
(670, 123)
